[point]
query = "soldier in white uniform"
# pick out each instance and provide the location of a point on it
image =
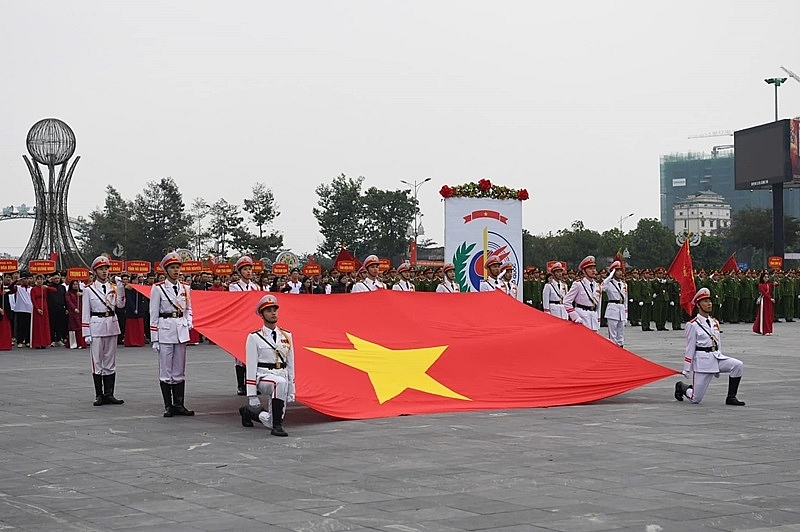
(170, 321)
(704, 355)
(270, 369)
(617, 310)
(244, 266)
(492, 282)
(448, 284)
(554, 291)
(370, 283)
(506, 279)
(100, 329)
(582, 302)
(404, 284)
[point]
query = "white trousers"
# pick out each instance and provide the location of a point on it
(616, 331)
(588, 318)
(104, 354)
(700, 381)
(171, 363)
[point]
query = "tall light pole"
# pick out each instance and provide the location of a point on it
(777, 190)
(622, 220)
(777, 82)
(416, 186)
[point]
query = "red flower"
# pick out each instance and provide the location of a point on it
(522, 195)
(446, 192)
(484, 185)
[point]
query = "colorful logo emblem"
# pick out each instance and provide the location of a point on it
(468, 261)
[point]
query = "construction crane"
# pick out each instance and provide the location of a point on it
(725, 133)
(791, 74)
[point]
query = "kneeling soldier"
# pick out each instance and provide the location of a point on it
(270, 369)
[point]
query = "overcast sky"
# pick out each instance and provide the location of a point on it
(575, 101)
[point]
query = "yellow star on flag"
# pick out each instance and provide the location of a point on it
(391, 371)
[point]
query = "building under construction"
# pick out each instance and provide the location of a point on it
(687, 174)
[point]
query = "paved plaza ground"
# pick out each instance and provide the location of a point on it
(639, 461)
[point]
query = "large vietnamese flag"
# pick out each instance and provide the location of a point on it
(386, 353)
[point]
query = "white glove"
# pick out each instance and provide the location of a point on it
(88, 340)
(118, 279)
(290, 398)
(573, 316)
(254, 401)
(641, 303)
(685, 373)
(630, 301)
(655, 296)
(155, 346)
(671, 303)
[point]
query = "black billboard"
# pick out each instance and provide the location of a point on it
(762, 155)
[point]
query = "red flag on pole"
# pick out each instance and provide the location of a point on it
(730, 265)
(681, 270)
(618, 257)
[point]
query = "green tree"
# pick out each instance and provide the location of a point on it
(160, 221)
(711, 253)
(108, 229)
(225, 227)
(262, 210)
(385, 216)
(200, 235)
(652, 244)
(339, 213)
(752, 228)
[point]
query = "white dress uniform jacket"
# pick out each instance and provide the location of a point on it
(101, 298)
(616, 290)
(703, 333)
(260, 349)
(490, 284)
(241, 286)
(447, 287)
(553, 299)
(367, 285)
(164, 300)
(404, 286)
(583, 303)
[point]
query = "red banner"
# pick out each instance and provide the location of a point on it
(192, 266)
(258, 266)
(775, 262)
(8, 265)
(137, 266)
(157, 268)
(312, 269)
(384, 265)
(346, 266)
(77, 274)
(115, 266)
(389, 372)
(681, 270)
(222, 268)
(485, 214)
(44, 267)
(280, 268)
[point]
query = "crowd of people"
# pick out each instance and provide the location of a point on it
(44, 310)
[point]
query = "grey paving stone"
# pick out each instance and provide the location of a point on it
(625, 463)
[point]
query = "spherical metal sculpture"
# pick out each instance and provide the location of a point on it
(51, 142)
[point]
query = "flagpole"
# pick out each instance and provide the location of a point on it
(485, 249)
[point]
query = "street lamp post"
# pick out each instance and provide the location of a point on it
(622, 220)
(417, 214)
(777, 189)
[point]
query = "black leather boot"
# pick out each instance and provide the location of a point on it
(166, 393)
(277, 418)
(98, 389)
(248, 416)
(241, 371)
(177, 400)
(733, 389)
(108, 395)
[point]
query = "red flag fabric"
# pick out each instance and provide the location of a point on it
(618, 257)
(730, 265)
(386, 353)
(682, 271)
(346, 255)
